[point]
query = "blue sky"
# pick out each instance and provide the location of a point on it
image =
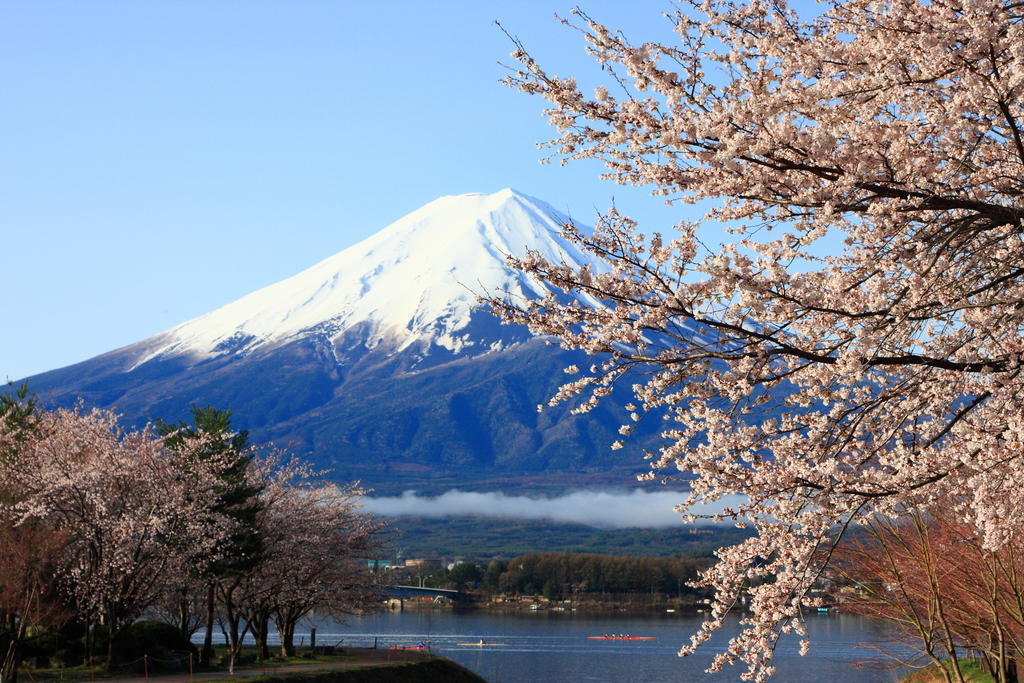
(161, 159)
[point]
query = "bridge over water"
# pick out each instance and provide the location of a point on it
(397, 595)
(421, 592)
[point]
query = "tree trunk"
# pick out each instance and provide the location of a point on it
(1010, 670)
(286, 629)
(9, 666)
(110, 649)
(90, 643)
(235, 632)
(183, 615)
(260, 629)
(206, 656)
(234, 640)
(16, 629)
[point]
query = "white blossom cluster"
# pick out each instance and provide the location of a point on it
(821, 388)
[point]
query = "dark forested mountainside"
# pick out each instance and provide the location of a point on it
(482, 538)
(468, 421)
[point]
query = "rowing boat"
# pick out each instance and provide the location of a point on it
(482, 644)
(623, 637)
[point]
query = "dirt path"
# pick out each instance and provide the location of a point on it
(372, 658)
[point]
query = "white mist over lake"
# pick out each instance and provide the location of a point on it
(616, 509)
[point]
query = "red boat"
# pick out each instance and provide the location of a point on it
(624, 637)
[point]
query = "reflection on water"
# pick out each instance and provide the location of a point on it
(553, 646)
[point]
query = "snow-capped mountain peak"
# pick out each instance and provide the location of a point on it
(414, 282)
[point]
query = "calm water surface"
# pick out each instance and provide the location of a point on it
(552, 646)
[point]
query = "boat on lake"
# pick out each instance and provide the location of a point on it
(622, 637)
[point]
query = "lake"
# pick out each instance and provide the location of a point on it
(553, 646)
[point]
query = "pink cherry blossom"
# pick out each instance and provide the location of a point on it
(134, 514)
(822, 388)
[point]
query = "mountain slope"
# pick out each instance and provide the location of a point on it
(414, 282)
(376, 362)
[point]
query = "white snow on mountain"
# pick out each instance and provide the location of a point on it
(414, 281)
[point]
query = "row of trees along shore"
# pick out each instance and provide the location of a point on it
(834, 332)
(559, 576)
(568, 575)
(100, 525)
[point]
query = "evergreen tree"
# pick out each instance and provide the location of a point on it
(492, 576)
(238, 499)
(18, 418)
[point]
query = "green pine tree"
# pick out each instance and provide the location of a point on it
(237, 498)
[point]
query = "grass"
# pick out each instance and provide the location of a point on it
(972, 669)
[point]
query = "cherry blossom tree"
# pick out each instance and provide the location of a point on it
(857, 348)
(133, 514)
(118, 521)
(315, 544)
(323, 545)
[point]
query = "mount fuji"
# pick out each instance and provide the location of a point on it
(377, 363)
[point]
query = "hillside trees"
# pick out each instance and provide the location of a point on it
(857, 347)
